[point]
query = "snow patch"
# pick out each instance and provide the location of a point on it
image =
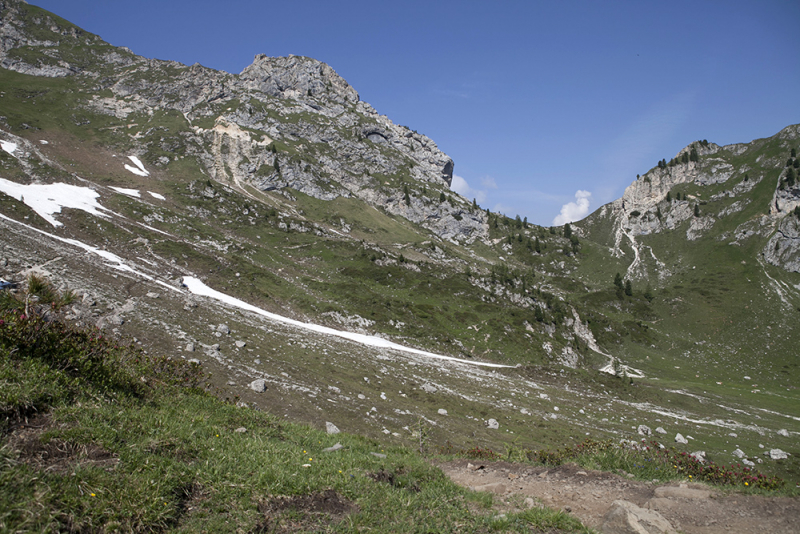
(8, 146)
(139, 170)
(197, 287)
(156, 195)
(129, 192)
(48, 199)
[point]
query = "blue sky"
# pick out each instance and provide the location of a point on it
(549, 109)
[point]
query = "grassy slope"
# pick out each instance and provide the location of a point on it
(107, 452)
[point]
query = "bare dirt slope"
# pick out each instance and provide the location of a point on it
(587, 494)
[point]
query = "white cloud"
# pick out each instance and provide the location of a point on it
(574, 211)
(488, 182)
(460, 186)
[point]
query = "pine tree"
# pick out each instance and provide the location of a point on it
(628, 288)
(618, 280)
(669, 197)
(693, 155)
(406, 196)
(567, 230)
(442, 198)
(697, 210)
(525, 222)
(537, 246)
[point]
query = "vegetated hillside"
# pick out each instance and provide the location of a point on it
(124, 176)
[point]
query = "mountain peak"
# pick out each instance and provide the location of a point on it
(297, 77)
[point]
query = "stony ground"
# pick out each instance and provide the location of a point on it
(587, 494)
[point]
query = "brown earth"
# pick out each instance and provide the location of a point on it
(587, 494)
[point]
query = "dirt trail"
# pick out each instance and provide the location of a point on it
(587, 494)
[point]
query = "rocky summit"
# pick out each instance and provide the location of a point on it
(359, 293)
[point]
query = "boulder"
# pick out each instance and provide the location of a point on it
(492, 424)
(777, 454)
(680, 439)
(258, 385)
(644, 430)
(428, 388)
(660, 430)
(783, 432)
(626, 518)
(330, 428)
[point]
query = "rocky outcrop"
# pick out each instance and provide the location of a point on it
(282, 123)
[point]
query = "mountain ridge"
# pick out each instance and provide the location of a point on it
(319, 209)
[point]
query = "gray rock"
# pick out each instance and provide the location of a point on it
(680, 439)
(330, 428)
(777, 454)
(660, 430)
(378, 454)
(644, 430)
(783, 432)
(700, 456)
(223, 329)
(190, 347)
(240, 430)
(442, 411)
(492, 424)
(259, 385)
(153, 295)
(333, 448)
(624, 517)
(428, 388)
(739, 453)
(240, 344)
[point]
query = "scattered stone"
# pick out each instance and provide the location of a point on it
(330, 428)
(733, 434)
(524, 411)
(748, 463)
(760, 445)
(428, 388)
(783, 432)
(492, 424)
(660, 430)
(700, 456)
(555, 408)
(194, 361)
(582, 473)
(680, 439)
(223, 329)
(644, 430)
(777, 454)
(334, 448)
(334, 389)
(378, 455)
(240, 430)
(626, 518)
(442, 411)
(215, 347)
(581, 411)
(739, 453)
(153, 295)
(259, 385)
(361, 396)
(529, 502)
(190, 347)
(240, 344)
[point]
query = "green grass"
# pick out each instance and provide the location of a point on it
(129, 442)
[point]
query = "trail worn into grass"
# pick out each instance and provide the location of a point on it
(587, 494)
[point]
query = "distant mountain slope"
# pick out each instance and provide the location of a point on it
(121, 177)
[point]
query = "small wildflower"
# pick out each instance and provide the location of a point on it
(93, 495)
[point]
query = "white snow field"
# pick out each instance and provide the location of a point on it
(130, 192)
(197, 287)
(48, 199)
(139, 170)
(157, 195)
(8, 146)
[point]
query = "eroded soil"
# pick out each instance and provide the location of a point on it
(587, 494)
